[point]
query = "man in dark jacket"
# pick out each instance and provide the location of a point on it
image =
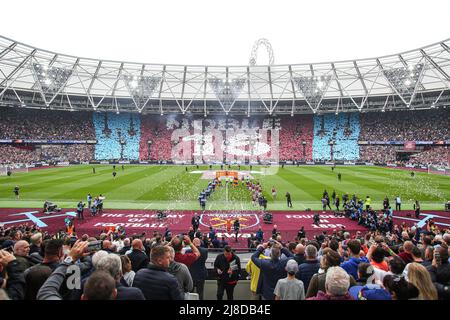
(311, 266)
(299, 254)
(198, 269)
(53, 254)
(154, 281)
(138, 258)
(15, 284)
(288, 199)
(228, 269)
(236, 227)
(21, 252)
(440, 272)
(195, 221)
(271, 270)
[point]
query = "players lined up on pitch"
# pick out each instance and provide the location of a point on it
(207, 193)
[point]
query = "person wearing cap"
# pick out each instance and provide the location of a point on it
(290, 288)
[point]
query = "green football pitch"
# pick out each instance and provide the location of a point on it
(172, 188)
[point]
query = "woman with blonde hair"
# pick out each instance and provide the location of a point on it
(419, 276)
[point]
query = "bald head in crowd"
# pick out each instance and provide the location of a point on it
(107, 245)
(21, 248)
(408, 246)
(137, 244)
(300, 249)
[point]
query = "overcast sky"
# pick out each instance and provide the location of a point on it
(214, 32)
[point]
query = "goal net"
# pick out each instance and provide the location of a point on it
(12, 168)
(439, 169)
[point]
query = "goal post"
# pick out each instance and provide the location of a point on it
(13, 168)
(3, 170)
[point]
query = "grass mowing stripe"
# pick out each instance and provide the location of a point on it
(354, 186)
(172, 187)
(178, 187)
(314, 185)
(70, 184)
(283, 184)
(139, 186)
(49, 185)
(194, 205)
(360, 179)
(106, 184)
(301, 182)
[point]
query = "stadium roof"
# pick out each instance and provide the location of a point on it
(41, 78)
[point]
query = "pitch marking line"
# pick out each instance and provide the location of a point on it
(147, 206)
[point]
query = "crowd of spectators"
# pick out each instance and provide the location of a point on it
(378, 153)
(10, 154)
(118, 136)
(434, 156)
(22, 123)
(294, 131)
(410, 263)
(127, 136)
(155, 131)
(426, 125)
(336, 137)
(404, 263)
(64, 153)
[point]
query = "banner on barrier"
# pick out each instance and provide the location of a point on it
(391, 164)
(410, 145)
